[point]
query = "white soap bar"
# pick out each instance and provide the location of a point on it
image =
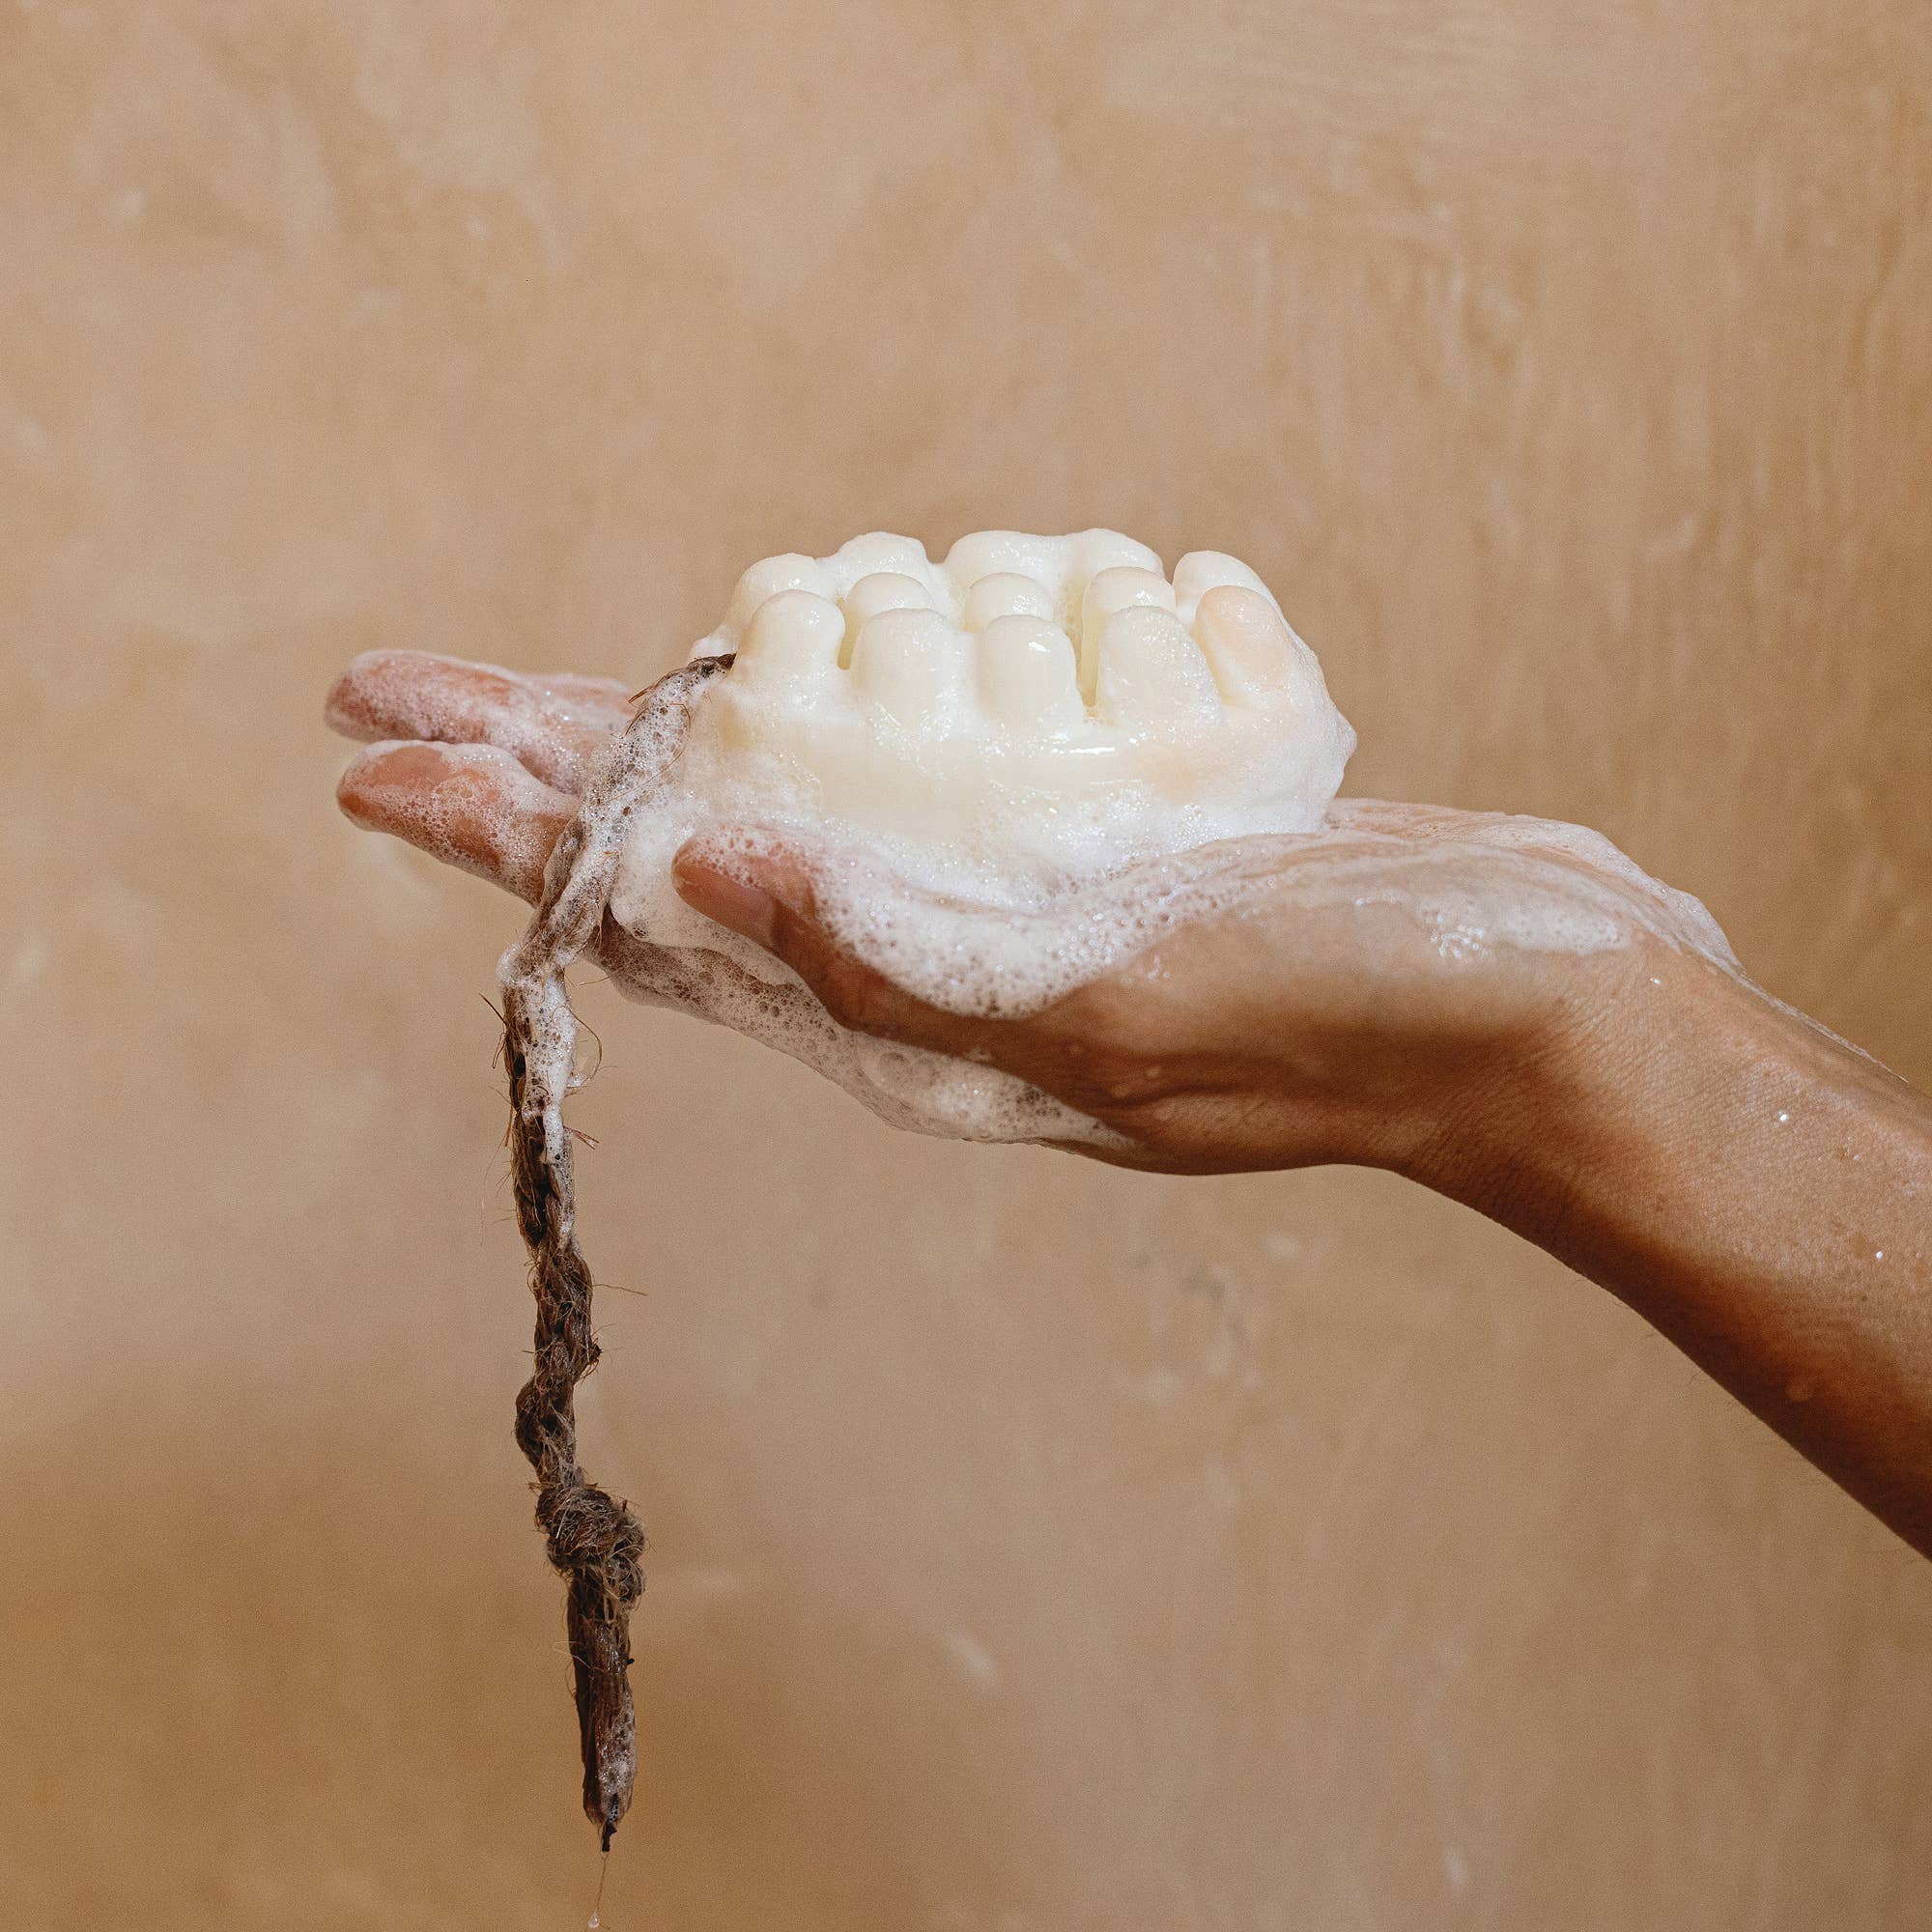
(1029, 711)
(1028, 716)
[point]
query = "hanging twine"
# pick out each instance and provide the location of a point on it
(593, 1539)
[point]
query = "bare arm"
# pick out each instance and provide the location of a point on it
(1762, 1194)
(1759, 1191)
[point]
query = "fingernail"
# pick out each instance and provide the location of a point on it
(744, 908)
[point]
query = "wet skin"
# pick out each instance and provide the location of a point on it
(1758, 1190)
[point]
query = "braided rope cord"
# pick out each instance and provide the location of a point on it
(593, 1539)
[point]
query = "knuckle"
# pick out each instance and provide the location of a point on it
(853, 994)
(1110, 1030)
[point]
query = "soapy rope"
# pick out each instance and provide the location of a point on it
(594, 1540)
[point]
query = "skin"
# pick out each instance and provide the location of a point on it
(1755, 1188)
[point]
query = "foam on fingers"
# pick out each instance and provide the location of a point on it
(470, 805)
(555, 725)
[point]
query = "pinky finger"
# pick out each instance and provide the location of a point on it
(470, 805)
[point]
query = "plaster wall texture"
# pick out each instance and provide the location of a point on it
(1036, 1547)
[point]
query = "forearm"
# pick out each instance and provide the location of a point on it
(1763, 1196)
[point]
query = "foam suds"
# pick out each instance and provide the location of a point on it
(991, 860)
(477, 808)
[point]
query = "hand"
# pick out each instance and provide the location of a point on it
(1349, 1002)
(1505, 1009)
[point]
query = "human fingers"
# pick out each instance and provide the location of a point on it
(473, 806)
(1123, 1048)
(553, 725)
(769, 896)
(1406, 820)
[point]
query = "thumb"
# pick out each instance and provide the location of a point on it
(768, 895)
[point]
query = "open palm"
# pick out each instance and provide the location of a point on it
(1369, 992)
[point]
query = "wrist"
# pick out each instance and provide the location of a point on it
(1609, 1102)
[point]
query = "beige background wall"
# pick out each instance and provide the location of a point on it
(1038, 1549)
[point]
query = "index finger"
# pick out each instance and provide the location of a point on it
(554, 726)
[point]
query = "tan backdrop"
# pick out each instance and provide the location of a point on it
(1037, 1548)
